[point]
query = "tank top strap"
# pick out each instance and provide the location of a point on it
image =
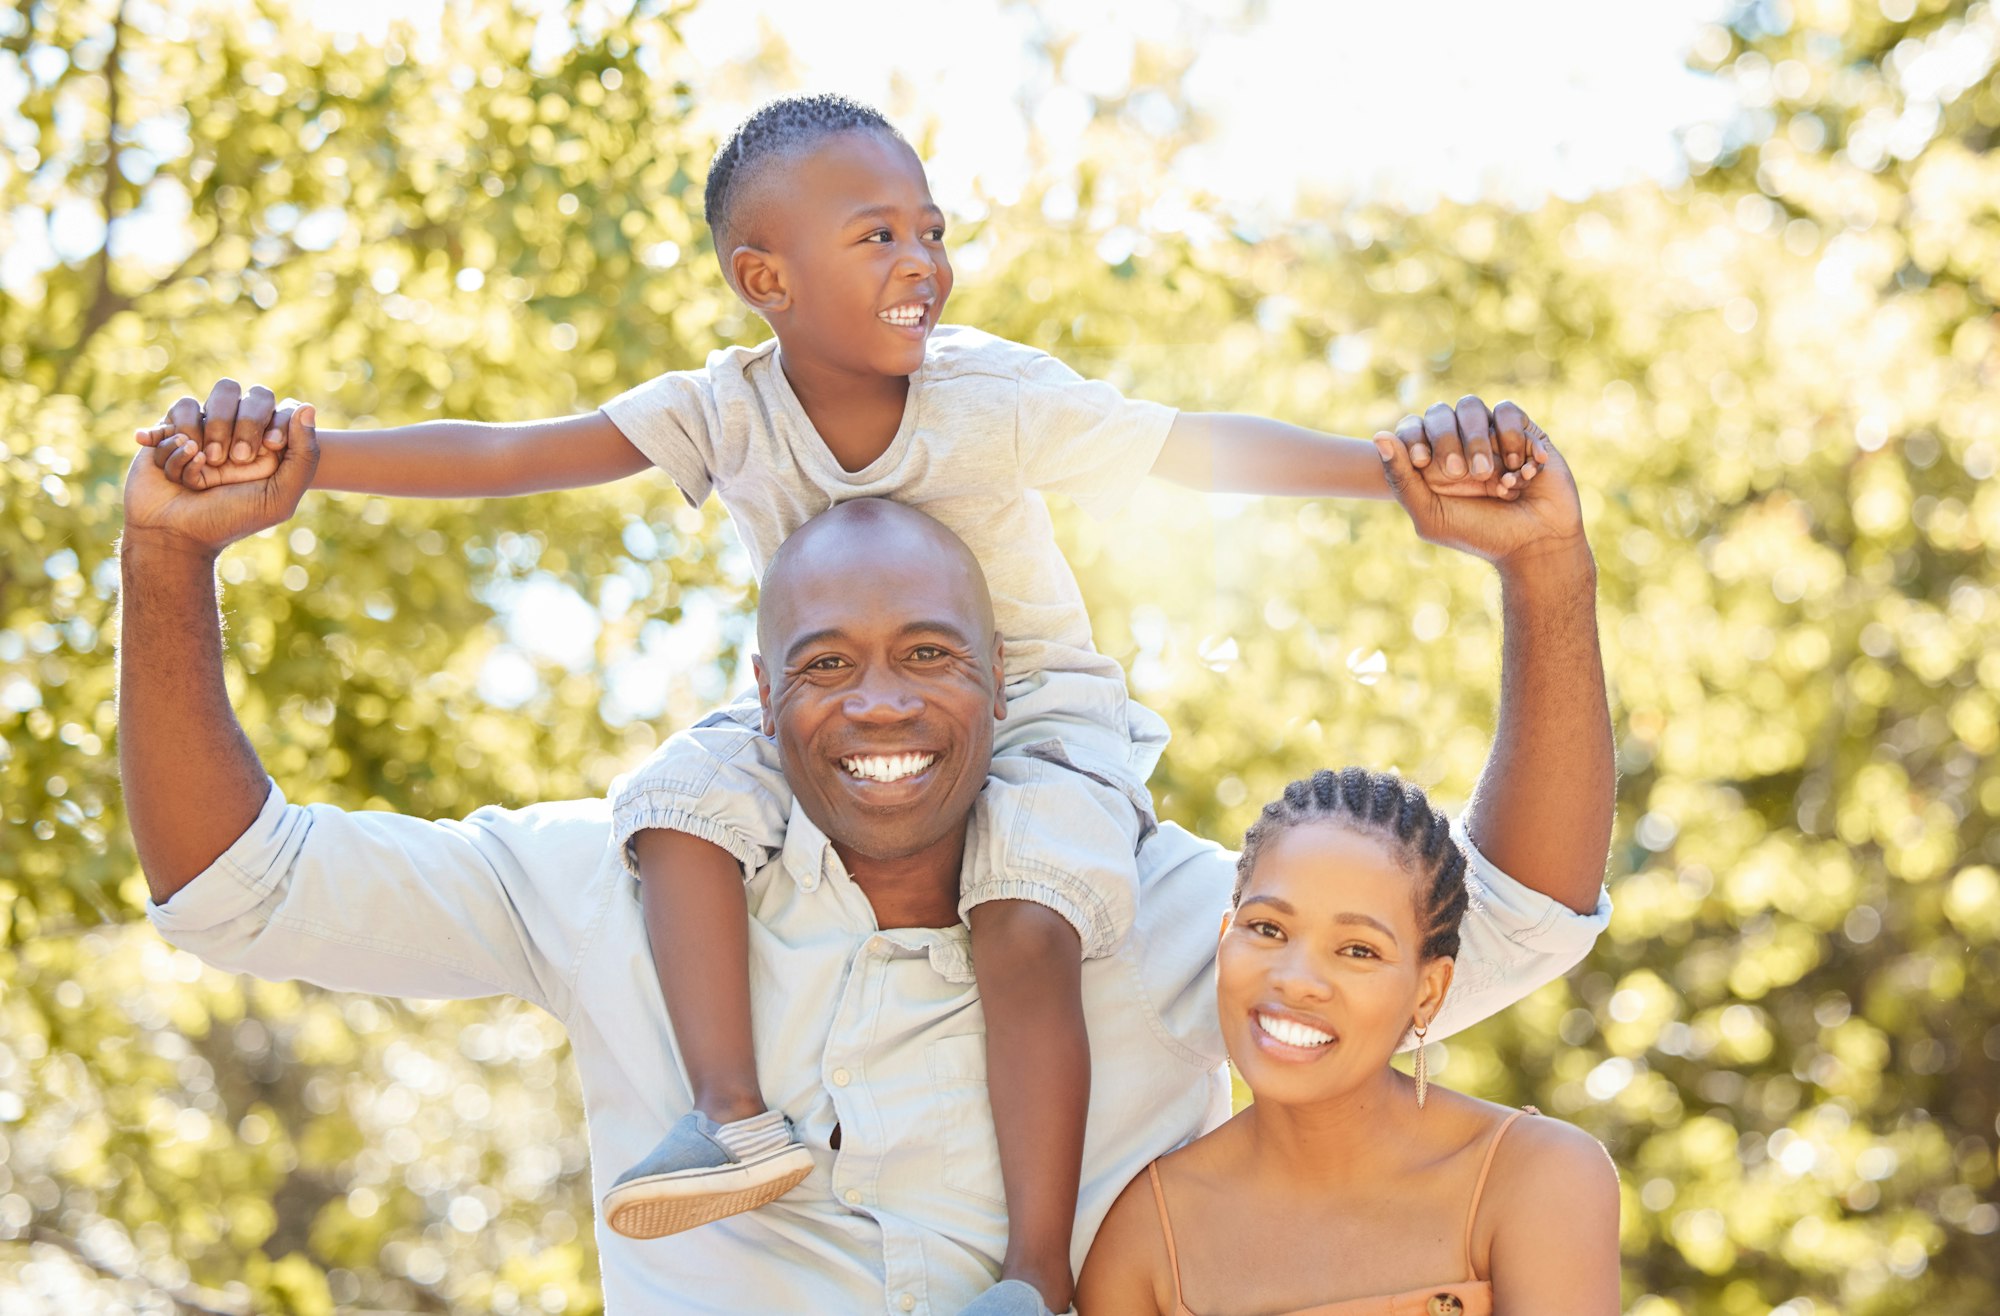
(1478, 1187)
(1167, 1230)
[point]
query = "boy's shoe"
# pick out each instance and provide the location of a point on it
(694, 1177)
(1010, 1297)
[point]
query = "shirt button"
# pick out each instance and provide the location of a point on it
(841, 1078)
(1444, 1304)
(852, 1197)
(907, 1302)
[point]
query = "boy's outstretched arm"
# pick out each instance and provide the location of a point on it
(234, 438)
(1224, 453)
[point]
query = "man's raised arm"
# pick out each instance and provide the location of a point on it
(193, 784)
(1542, 810)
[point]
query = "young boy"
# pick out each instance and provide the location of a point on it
(824, 225)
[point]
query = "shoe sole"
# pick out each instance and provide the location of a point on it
(668, 1203)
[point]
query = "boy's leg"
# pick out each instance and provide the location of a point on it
(729, 1153)
(698, 924)
(1029, 960)
(1051, 881)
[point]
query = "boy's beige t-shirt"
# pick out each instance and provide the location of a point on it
(989, 426)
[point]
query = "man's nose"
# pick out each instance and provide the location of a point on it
(882, 699)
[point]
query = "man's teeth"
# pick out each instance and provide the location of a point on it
(889, 767)
(908, 317)
(1291, 1032)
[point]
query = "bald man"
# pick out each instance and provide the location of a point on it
(877, 638)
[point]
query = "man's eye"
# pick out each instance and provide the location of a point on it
(826, 664)
(925, 653)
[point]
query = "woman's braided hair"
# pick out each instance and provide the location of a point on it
(779, 127)
(1383, 805)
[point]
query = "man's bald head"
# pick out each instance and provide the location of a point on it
(876, 646)
(866, 535)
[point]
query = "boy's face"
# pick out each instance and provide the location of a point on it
(852, 271)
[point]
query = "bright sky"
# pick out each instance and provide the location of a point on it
(1408, 101)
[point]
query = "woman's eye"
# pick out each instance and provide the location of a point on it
(1361, 952)
(1260, 928)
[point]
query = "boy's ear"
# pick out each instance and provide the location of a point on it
(759, 280)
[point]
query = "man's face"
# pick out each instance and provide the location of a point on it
(859, 245)
(881, 682)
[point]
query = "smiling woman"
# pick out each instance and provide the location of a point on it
(1345, 1178)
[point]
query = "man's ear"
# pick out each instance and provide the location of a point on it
(764, 694)
(760, 280)
(1433, 981)
(999, 677)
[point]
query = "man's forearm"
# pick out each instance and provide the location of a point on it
(1543, 808)
(1225, 453)
(192, 782)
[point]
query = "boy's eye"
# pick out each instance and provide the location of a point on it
(879, 235)
(934, 233)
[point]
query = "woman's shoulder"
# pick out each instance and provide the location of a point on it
(1544, 1168)
(1129, 1267)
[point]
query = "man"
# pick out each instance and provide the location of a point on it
(877, 638)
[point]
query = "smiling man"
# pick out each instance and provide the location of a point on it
(880, 678)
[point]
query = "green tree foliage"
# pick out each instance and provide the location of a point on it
(1772, 378)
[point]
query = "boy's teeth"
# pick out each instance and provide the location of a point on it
(905, 316)
(1292, 1032)
(888, 767)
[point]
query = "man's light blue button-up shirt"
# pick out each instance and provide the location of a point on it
(874, 1032)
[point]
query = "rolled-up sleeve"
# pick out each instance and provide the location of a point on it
(501, 902)
(1514, 940)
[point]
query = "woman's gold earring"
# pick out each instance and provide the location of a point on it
(1423, 1079)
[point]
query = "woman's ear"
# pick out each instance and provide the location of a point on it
(1433, 981)
(1223, 931)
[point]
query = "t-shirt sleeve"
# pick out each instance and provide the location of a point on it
(672, 419)
(1083, 438)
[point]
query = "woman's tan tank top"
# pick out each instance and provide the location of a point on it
(1471, 1297)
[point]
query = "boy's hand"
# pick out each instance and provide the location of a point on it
(1469, 452)
(235, 439)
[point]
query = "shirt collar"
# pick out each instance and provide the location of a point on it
(808, 855)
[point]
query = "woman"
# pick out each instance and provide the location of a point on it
(1347, 1188)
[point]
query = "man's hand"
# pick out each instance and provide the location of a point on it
(207, 522)
(1520, 516)
(1469, 452)
(234, 439)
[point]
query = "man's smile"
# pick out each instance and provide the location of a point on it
(888, 768)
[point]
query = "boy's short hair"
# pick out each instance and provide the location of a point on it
(778, 128)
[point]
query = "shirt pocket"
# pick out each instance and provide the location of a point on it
(964, 1114)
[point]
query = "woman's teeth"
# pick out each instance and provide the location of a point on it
(906, 317)
(1291, 1032)
(889, 767)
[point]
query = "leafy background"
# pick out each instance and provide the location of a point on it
(1776, 378)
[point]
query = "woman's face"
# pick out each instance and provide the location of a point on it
(1319, 971)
